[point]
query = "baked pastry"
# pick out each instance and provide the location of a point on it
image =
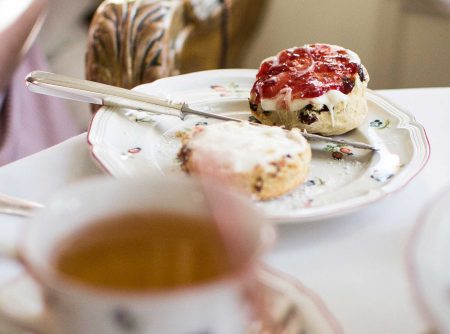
(319, 88)
(264, 161)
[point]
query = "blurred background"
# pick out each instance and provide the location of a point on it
(403, 43)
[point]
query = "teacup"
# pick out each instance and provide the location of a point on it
(72, 249)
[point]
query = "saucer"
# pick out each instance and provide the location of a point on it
(428, 262)
(287, 306)
(290, 307)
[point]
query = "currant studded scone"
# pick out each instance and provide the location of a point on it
(319, 88)
(262, 160)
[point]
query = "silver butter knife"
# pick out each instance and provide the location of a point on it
(101, 94)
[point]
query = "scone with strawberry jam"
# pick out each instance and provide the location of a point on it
(319, 88)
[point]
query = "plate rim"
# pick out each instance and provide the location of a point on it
(416, 131)
(412, 248)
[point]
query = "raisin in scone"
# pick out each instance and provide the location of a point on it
(319, 88)
(262, 160)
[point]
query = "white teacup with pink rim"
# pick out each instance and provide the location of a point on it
(102, 253)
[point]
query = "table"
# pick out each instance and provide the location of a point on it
(355, 263)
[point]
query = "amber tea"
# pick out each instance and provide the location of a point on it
(144, 251)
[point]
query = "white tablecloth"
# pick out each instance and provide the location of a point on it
(355, 263)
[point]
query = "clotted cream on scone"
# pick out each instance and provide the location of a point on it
(265, 161)
(319, 88)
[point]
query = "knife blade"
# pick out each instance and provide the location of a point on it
(101, 94)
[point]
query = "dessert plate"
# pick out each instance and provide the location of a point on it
(341, 179)
(286, 305)
(429, 262)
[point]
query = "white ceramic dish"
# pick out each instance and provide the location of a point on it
(287, 305)
(341, 179)
(429, 262)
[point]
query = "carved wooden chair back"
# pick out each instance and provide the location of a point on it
(138, 41)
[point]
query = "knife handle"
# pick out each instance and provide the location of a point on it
(97, 93)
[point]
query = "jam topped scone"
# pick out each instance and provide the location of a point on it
(319, 88)
(264, 161)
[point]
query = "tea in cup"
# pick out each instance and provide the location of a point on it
(168, 255)
(144, 251)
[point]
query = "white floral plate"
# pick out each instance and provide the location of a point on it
(286, 306)
(341, 179)
(429, 262)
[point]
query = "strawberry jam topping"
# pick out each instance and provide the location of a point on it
(306, 72)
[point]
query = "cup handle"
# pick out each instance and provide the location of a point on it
(22, 304)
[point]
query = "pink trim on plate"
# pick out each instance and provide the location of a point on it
(286, 218)
(91, 148)
(332, 214)
(313, 296)
(410, 265)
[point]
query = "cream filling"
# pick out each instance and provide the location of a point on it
(240, 147)
(329, 99)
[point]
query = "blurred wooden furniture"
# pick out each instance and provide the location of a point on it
(139, 41)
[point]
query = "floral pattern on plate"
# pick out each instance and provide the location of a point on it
(379, 124)
(231, 89)
(352, 178)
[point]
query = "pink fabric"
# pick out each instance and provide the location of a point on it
(31, 122)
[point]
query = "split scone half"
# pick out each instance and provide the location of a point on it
(319, 88)
(264, 161)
